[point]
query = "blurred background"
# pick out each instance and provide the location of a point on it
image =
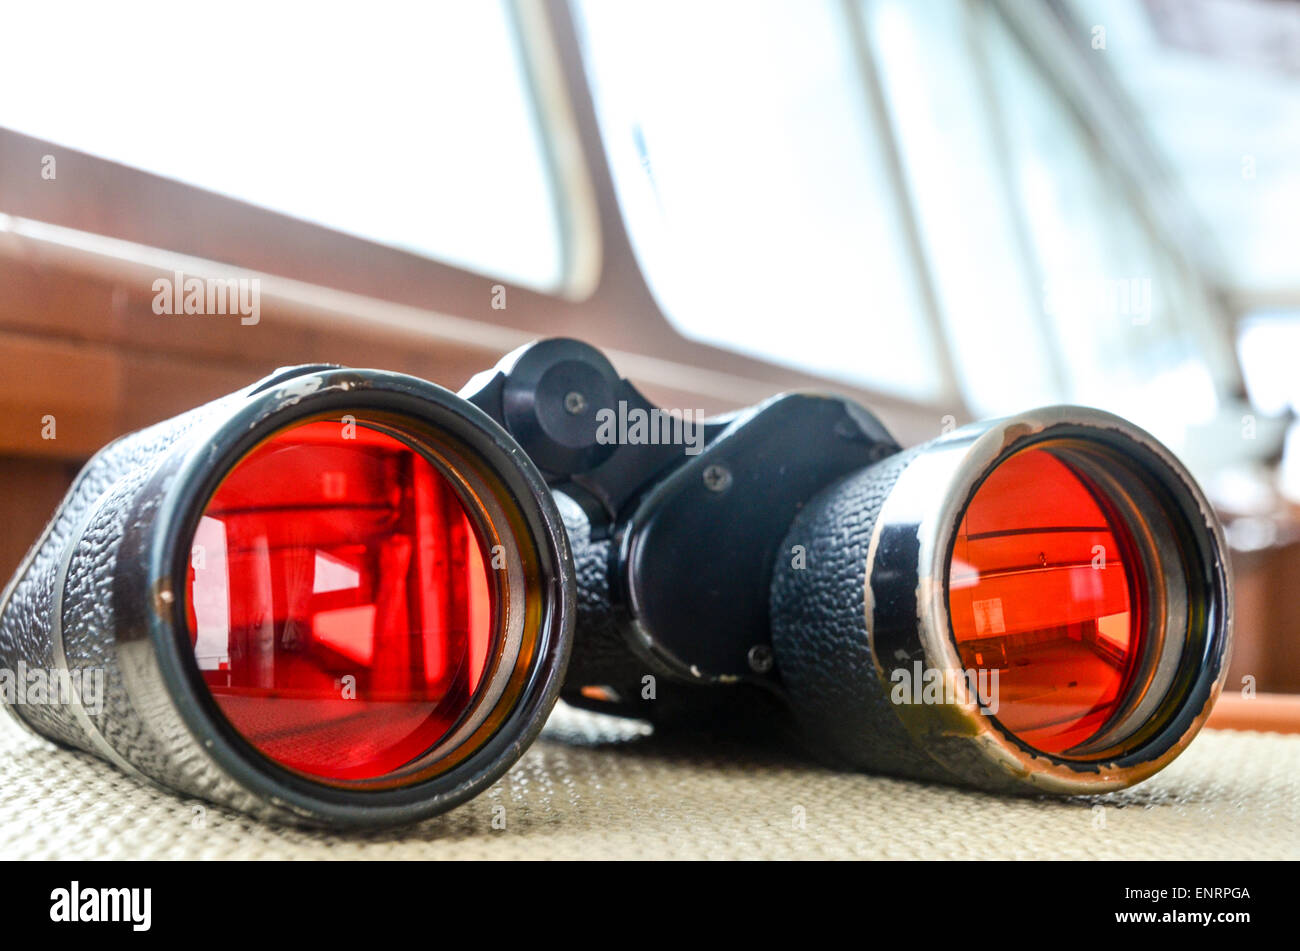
(949, 210)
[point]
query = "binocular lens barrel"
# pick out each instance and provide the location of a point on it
(1036, 603)
(339, 596)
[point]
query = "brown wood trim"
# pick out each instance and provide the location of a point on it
(31, 489)
(70, 289)
(59, 399)
(1264, 712)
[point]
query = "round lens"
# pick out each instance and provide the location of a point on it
(339, 603)
(1043, 607)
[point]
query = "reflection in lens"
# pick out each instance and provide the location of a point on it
(339, 602)
(1040, 591)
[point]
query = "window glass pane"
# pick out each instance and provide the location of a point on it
(988, 293)
(1106, 292)
(407, 124)
(1216, 87)
(750, 175)
(1268, 342)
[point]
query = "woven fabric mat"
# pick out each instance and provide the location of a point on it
(599, 788)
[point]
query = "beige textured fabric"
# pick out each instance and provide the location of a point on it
(601, 788)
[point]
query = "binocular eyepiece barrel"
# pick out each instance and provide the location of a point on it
(349, 597)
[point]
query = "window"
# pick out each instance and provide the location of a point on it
(990, 301)
(1268, 342)
(355, 118)
(1106, 295)
(757, 192)
(754, 187)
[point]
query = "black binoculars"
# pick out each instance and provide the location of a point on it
(351, 597)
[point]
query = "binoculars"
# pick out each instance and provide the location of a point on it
(350, 598)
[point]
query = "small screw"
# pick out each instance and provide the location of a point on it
(574, 403)
(760, 658)
(717, 478)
